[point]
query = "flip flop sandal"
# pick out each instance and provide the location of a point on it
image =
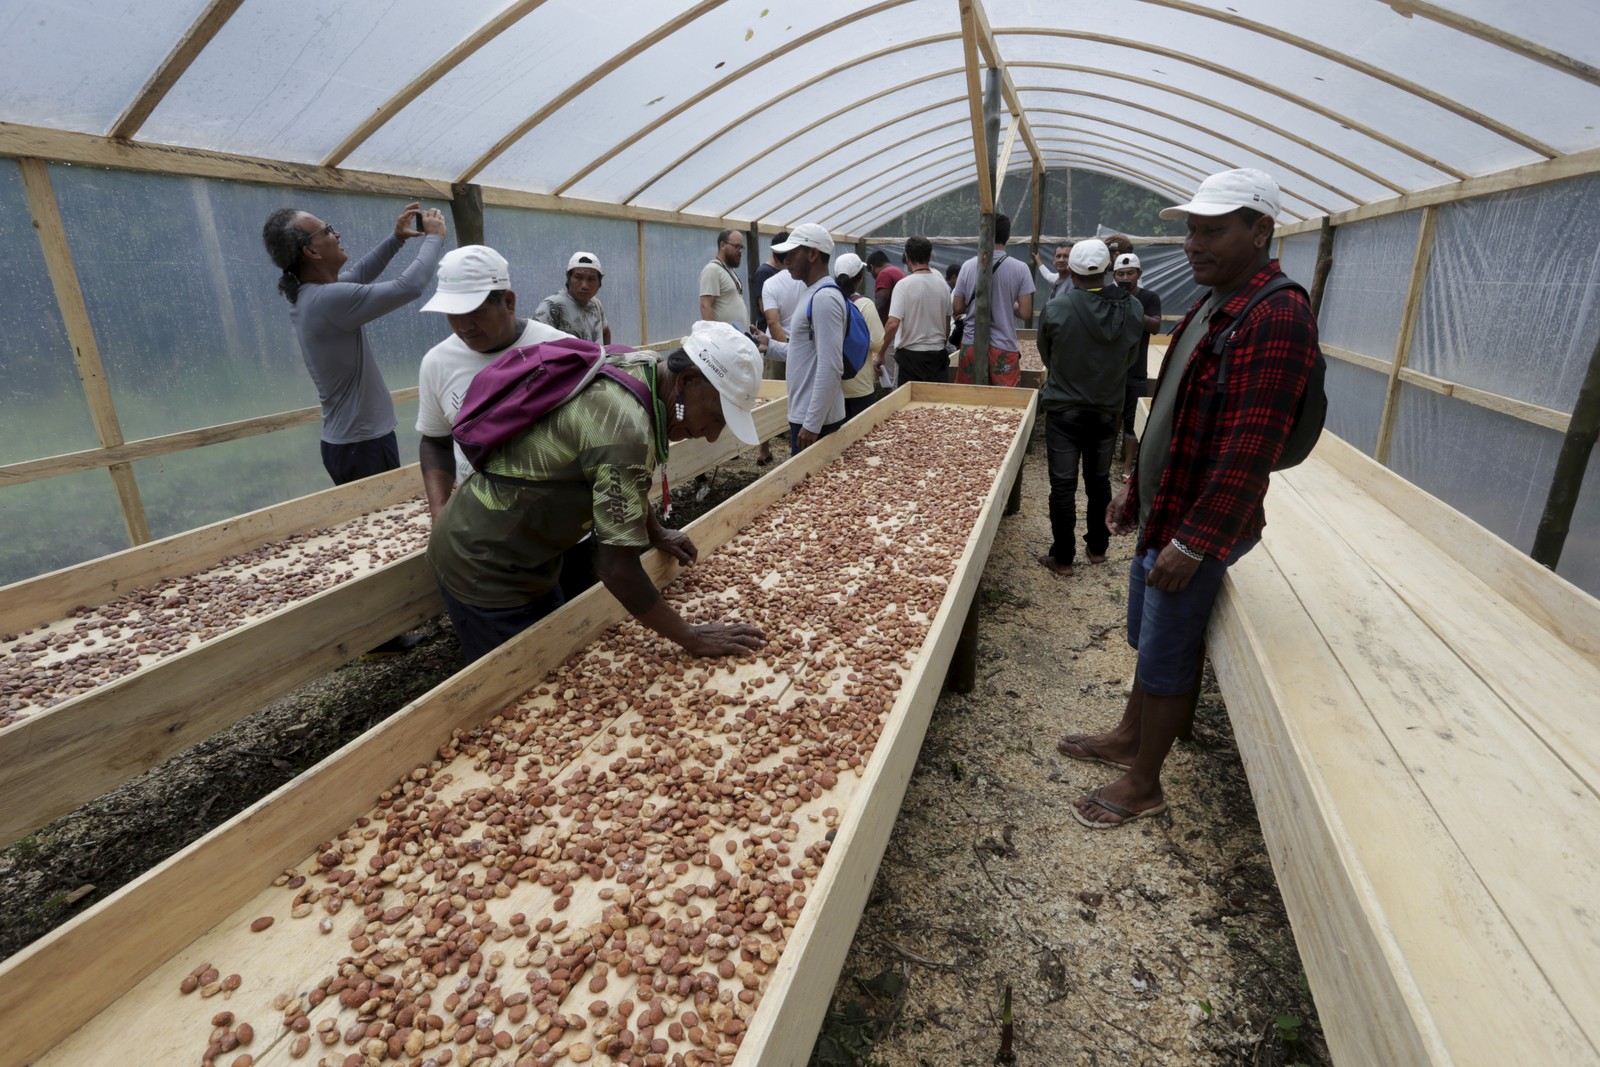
(1124, 816)
(1091, 755)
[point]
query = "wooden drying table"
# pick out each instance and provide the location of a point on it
(110, 978)
(1416, 705)
(60, 757)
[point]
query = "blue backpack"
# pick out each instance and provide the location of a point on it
(857, 338)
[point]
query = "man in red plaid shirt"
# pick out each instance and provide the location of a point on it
(1196, 490)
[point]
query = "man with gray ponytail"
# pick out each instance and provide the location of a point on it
(330, 304)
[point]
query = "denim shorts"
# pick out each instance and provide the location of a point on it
(1169, 629)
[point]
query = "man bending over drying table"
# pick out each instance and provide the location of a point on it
(497, 545)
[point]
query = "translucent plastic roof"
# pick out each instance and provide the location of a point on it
(780, 110)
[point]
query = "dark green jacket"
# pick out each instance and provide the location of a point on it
(1088, 340)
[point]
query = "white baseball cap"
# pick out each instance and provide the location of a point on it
(467, 275)
(1089, 257)
(849, 265)
(585, 259)
(1128, 261)
(731, 362)
(1230, 191)
(808, 235)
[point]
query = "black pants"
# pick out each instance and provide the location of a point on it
(855, 405)
(1136, 388)
(482, 630)
(921, 365)
(1073, 437)
(361, 459)
(795, 428)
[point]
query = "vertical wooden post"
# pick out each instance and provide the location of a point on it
(752, 264)
(1567, 482)
(962, 677)
(80, 332)
(466, 213)
(1039, 184)
(1014, 498)
(644, 304)
(1319, 274)
(1408, 323)
(983, 309)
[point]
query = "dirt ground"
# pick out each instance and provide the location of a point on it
(1164, 942)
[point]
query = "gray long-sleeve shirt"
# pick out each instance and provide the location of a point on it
(328, 319)
(814, 357)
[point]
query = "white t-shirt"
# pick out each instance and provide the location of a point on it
(782, 291)
(922, 304)
(447, 369)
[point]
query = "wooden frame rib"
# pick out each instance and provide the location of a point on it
(1344, 59)
(855, 164)
(1497, 37)
(1562, 168)
(1008, 90)
(1549, 418)
(189, 46)
(1252, 120)
(429, 78)
(786, 94)
(35, 470)
(1408, 322)
(980, 148)
(1244, 79)
(46, 212)
(831, 149)
(582, 85)
(716, 87)
(1274, 160)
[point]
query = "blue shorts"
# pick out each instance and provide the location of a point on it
(1169, 629)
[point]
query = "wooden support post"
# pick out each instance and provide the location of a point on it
(861, 248)
(1319, 274)
(983, 310)
(962, 676)
(644, 306)
(1408, 323)
(1014, 498)
(1567, 482)
(466, 213)
(80, 332)
(1039, 183)
(752, 264)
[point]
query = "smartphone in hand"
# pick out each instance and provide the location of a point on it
(416, 222)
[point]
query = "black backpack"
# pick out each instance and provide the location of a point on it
(1311, 411)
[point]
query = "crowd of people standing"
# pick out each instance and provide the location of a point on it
(567, 500)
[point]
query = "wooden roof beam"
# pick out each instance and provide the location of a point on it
(189, 46)
(1008, 90)
(429, 78)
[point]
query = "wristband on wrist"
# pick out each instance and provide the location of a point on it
(1187, 551)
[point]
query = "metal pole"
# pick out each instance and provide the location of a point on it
(1567, 482)
(982, 299)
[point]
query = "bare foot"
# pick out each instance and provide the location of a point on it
(1048, 562)
(1087, 749)
(1096, 559)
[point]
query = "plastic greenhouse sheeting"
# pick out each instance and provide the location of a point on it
(696, 106)
(42, 407)
(1366, 289)
(1512, 303)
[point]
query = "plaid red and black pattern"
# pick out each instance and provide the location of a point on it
(1223, 447)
